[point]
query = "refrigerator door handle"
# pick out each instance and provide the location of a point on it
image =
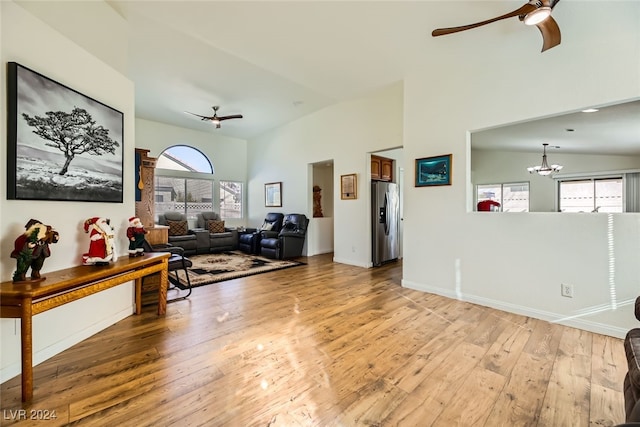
(385, 218)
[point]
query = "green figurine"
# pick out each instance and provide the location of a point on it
(30, 250)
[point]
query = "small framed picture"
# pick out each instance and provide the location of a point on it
(432, 171)
(273, 194)
(349, 186)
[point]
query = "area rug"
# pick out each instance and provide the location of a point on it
(214, 268)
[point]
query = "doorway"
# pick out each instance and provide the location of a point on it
(397, 177)
(320, 230)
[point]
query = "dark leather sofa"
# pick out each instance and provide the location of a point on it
(250, 242)
(632, 379)
(199, 240)
(289, 242)
(187, 240)
(226, 240)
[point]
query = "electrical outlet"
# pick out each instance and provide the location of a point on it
(566, 290)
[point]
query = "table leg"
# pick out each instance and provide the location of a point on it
(139, 295)
(26, 342)
(162, 289)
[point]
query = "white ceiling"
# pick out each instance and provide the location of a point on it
(613, 129)
(270, 61)
(275, 61)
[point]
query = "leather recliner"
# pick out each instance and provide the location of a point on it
(186, 241)
(632, 379)
(289, 242)
(250, 242)
(214, 242)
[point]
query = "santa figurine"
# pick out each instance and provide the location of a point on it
(102, 245)
(30, 249)
(135, 234)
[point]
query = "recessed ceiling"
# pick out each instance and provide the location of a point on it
(613, 129)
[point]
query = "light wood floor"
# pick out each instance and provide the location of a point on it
(329, 345)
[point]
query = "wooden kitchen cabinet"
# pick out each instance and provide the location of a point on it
(381, 168)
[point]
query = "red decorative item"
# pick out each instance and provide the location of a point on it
(135, 234)
(102, 248)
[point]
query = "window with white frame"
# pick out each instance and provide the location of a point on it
(187, 195)
(512, 196)
(591, 194)
(231, 199)
(183, 181)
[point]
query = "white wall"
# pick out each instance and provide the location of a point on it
(494, 167)
(518, 261)
(227, 155)
(344, 132)
(94, 25)
(30, 42)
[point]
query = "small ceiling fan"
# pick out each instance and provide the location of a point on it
(215, 119)
(535, 12)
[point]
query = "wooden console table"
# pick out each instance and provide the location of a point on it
(25, 300)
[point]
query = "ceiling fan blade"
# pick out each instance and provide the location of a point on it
(553, 3)
(526, 8)
(198, 115)
(550, 33)
(235, 116)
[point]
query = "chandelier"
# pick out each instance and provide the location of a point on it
(544, 168)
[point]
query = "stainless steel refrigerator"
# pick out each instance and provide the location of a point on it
(385, 210)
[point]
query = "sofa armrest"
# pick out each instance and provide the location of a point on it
(296, 234)
(266, 234)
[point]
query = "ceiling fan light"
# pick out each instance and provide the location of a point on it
(215, 122)
(537, 16)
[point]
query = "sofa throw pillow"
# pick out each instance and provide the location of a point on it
(215, 226)
(266, 226)
(177, 228)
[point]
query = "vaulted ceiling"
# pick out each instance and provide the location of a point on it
(275, 61)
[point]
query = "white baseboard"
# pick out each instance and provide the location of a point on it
(352, 262)
(40, 356)
(571, 321)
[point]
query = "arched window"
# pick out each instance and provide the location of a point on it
(184, 158)
(184, 182)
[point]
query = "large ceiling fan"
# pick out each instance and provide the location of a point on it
(215, 119)
(535, 12)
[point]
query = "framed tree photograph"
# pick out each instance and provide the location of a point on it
(273, 195)
(432, 171)
(349, 187)
(61, 144)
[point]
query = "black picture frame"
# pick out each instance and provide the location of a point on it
(433, 171)
(61, 144)
(273, 195)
